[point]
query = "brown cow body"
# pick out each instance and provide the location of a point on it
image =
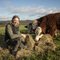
(50, 23)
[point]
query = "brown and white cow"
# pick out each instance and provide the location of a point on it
(49, 23)
(39, 33)
(36, 23)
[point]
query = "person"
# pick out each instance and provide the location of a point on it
(13, 35)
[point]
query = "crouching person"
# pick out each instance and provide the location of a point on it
(13, 35)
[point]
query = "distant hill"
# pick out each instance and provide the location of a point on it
(25, 22)
(22, 22)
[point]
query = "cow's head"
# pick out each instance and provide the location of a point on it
(34, 24)
(38, 33)
(29, 26)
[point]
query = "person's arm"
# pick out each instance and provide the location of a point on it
(10, 33)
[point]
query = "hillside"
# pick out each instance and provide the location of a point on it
(22, 22)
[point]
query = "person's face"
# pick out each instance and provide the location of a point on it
(16, 21)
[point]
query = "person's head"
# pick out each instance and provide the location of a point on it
(15, 20)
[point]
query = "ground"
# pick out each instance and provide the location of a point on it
(47, 55)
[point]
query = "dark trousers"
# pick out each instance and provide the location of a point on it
(16, 42)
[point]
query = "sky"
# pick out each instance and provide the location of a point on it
(27, 9)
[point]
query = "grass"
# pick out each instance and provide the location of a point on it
(23, 29)
(2, 33)
(48, 55)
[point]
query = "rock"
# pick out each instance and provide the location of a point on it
(29, 42)
(46, 38)
(1, 48)
(45, 43)
(38, 49)
(23, 52)
(4, 51)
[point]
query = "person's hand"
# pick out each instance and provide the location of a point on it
(24, 35)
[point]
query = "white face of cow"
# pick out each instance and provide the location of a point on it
(38, 34)
(34, 24)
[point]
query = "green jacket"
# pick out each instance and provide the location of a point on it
(9, 32)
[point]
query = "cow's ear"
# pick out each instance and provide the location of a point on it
(26, 27)
(30, 24)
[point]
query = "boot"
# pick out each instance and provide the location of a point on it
(14, 53)
(21, 45)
